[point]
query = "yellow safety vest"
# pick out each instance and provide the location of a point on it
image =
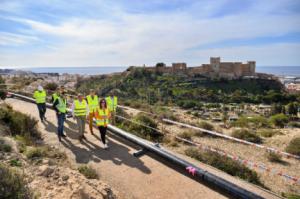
(80, 108)
(101, 121)
(55, 96)
(40, 96)
(62, 105)
(111, 104)
(93, 102)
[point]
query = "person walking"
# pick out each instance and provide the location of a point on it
(40, 99)
(112, 103)
(102, 116)
(79, 111)
(55, 95)
(93, 102)
(60, 106)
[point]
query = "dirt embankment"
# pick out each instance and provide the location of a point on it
(53, 178)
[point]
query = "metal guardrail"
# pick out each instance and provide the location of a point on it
(196, 172)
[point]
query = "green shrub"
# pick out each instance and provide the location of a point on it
(88, 172)
(142, 130)
(19, 123)
(206, 125)
(244, 134)
(51, 86)
(293, 196)
(225, 164)
(274, 157)
(4, 146)
(279, 120)
(15, 163)
(294, 146)
(3, 94)
(186, 135)
(12, 184)
(268, 132)
(36, 152)
(294, 124)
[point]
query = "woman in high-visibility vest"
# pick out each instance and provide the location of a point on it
(79, 112)
(102, 116)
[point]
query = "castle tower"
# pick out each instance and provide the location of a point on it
(215, 64)
(252, 65)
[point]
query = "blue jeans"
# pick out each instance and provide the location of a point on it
(42, 110)
(60, 124)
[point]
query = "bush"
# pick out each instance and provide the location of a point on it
(4, 147)
(294, 124)
(206, 125)
(225, 164)
(19, 123)
(274, 157)
(3, 94)
(12, 184)
(279, 120)
(293, 196)
(15, 163)
(294, 146)
(267, 132)
(88, 172)
(186, 135)
(51, 86)
(244, 134)
(34, 153)
(143, 131)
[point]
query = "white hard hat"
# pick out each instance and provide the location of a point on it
(40, 88)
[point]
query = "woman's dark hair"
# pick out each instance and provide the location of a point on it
(102, 101)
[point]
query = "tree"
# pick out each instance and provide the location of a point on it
(160, 64)
(279, 120)
(277, 108)
(292, 108)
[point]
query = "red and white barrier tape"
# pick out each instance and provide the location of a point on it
(249, 163)
(288, 155)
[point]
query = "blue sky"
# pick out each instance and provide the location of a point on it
(135, 32)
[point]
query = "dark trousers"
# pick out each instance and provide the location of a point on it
(42, 110)
(102, 130)
(60, 124)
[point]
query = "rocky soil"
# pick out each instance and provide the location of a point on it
(52, 178)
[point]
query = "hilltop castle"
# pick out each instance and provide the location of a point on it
(216, 68)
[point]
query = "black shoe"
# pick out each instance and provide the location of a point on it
(59, 138)
(83, 137)
(63, 135)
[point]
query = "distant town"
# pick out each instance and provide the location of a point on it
(215, 69)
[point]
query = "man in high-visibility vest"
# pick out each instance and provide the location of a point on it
(60, 106)
(93, 103)
(79, 111)
(112, 103)
(40, 99)
(55, 95)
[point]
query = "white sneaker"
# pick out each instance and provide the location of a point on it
(105, 146)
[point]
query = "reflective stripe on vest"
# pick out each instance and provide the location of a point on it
(40, 96)
(111, 104)
(102, 113)
(79, 107)
(92, 102)
(62, 105)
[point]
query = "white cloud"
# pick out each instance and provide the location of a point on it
(130, 38)
(10, 39)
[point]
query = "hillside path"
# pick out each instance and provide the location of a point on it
(143, 177)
